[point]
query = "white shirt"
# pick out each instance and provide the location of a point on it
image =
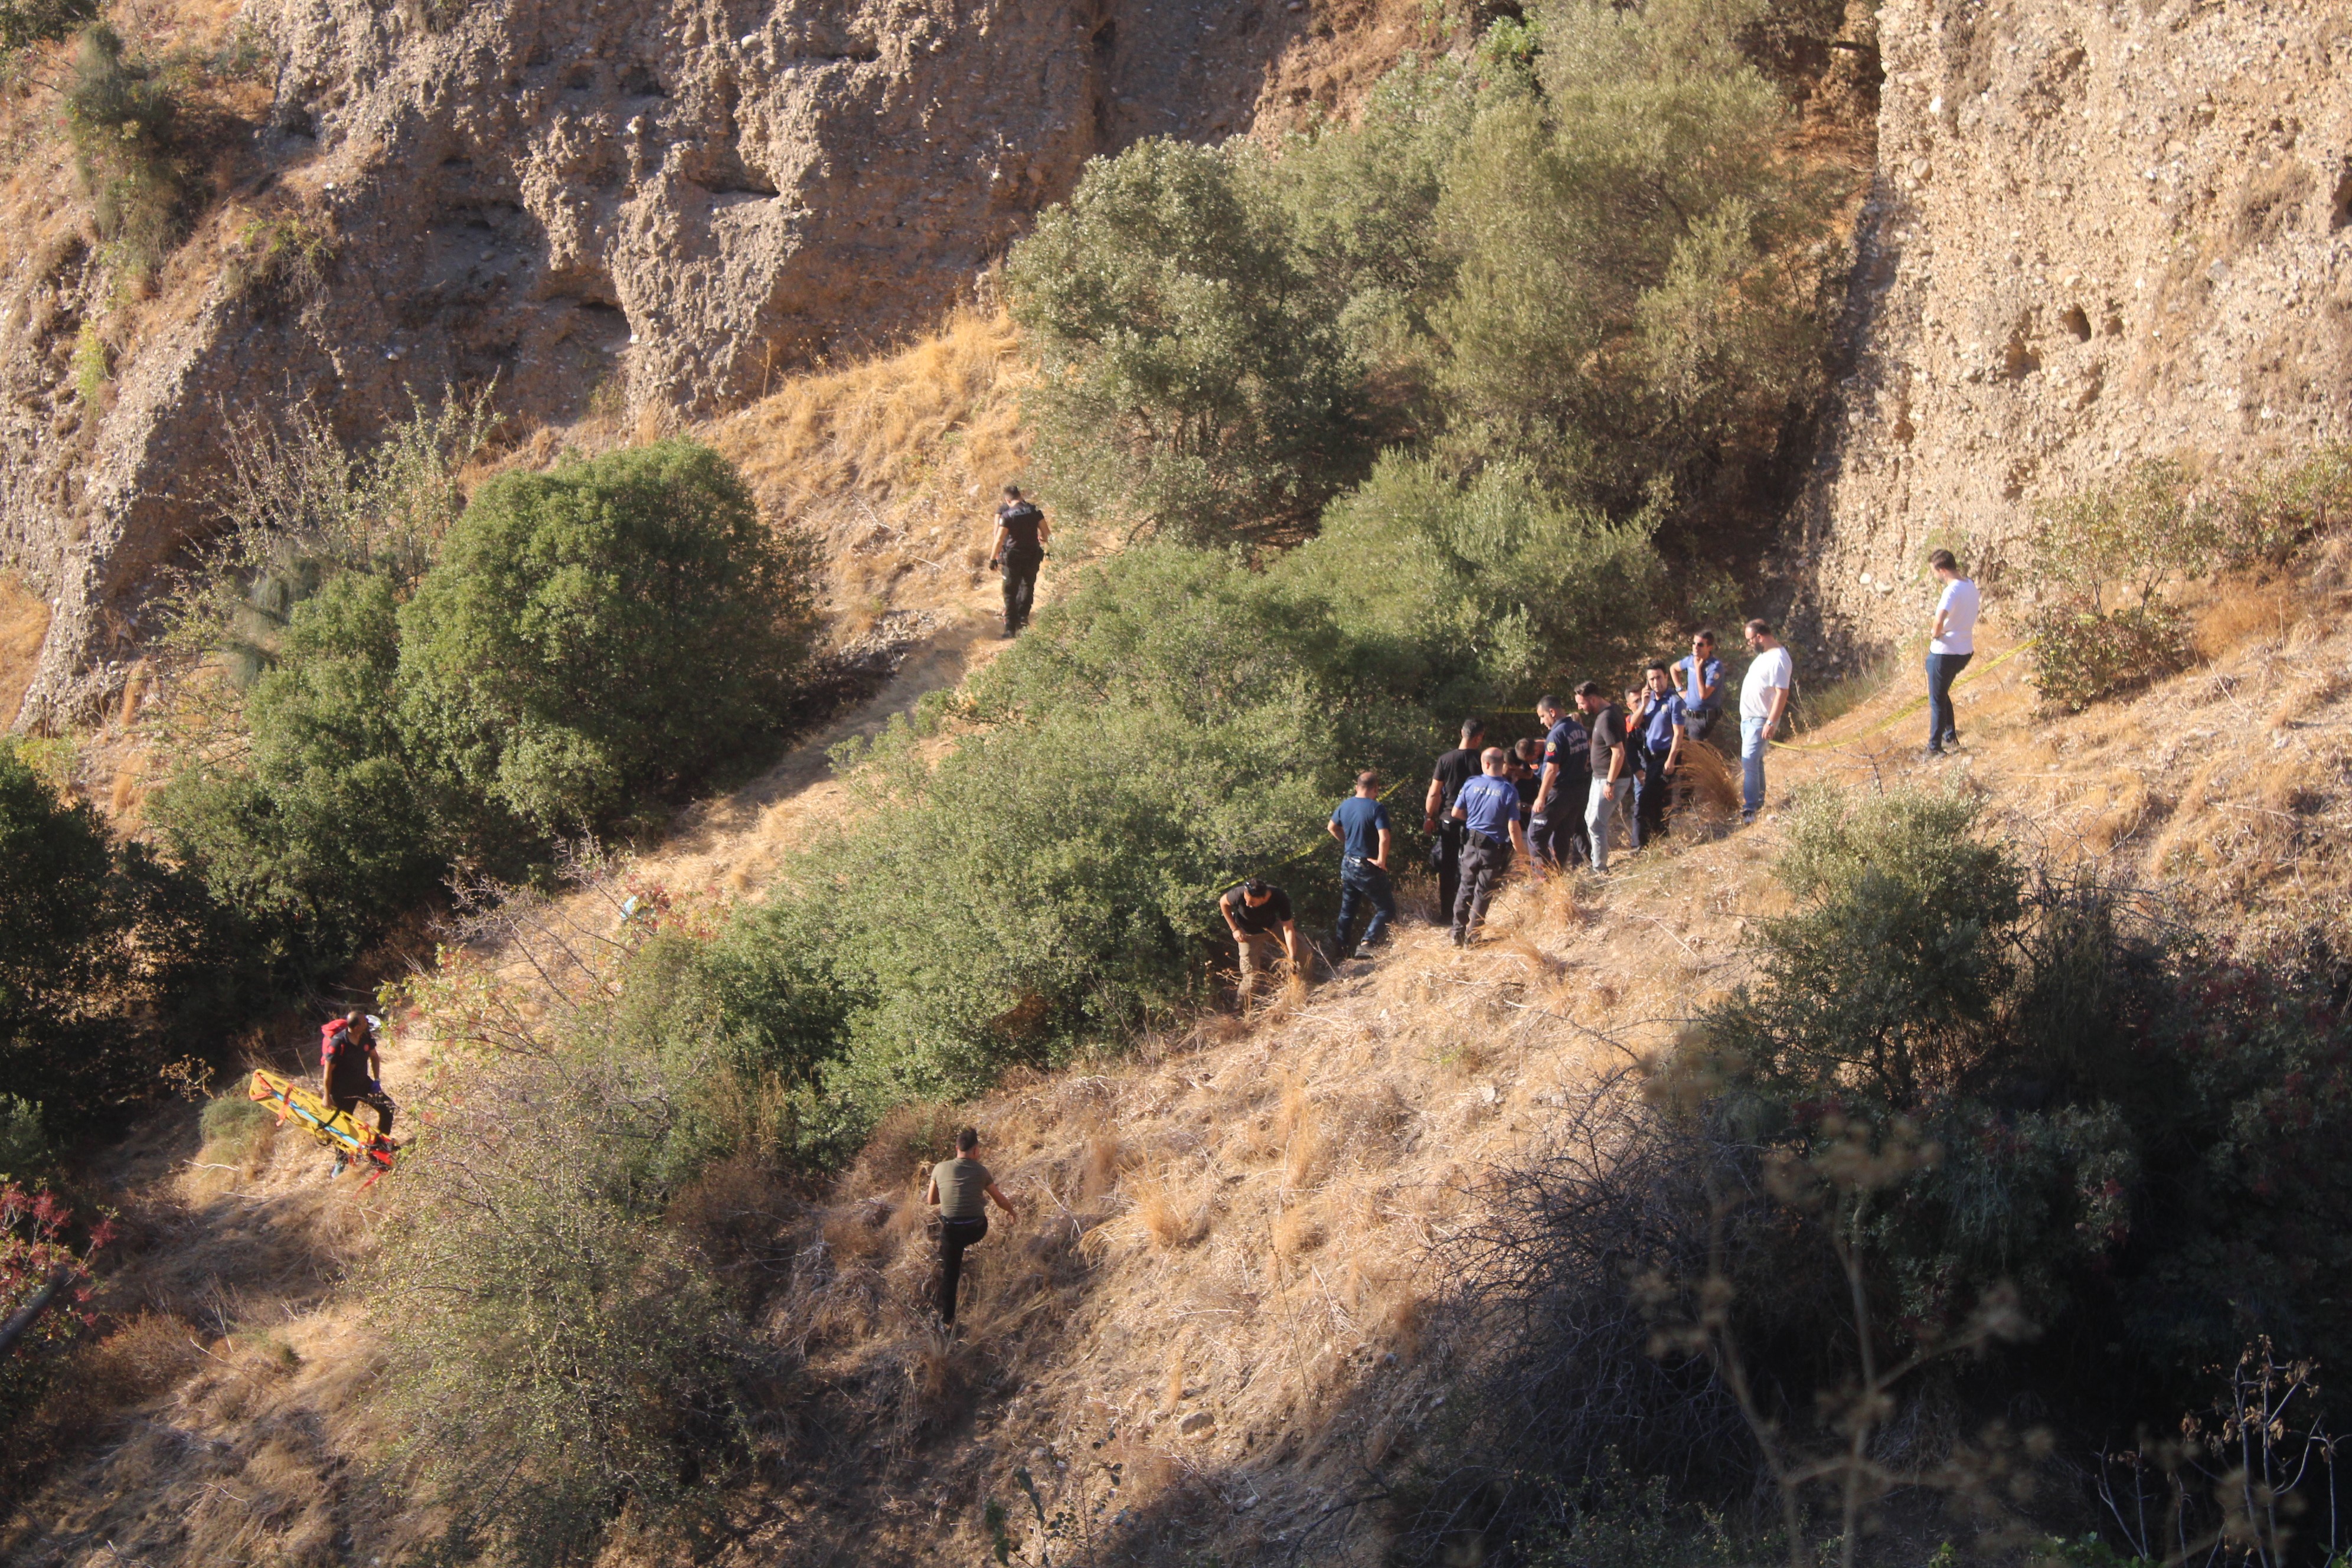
(1772, 671)
(1958, 608)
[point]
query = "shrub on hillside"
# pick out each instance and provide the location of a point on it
(1632, 301)
(329, 823)
(556, 1355)
(2081, 657)
(2104, 559)
(1963, 1108)
(1511, 590)
(1362, 201)
(606, 636)
(121, 120)
(95, 940)
(1195, 379)
(2086, 1096)
(1173, 724)
(24, 22)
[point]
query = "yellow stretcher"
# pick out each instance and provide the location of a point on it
(338, 1129)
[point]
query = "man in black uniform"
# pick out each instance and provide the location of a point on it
(1455, 769)
(1556, 834)
(1019, 548)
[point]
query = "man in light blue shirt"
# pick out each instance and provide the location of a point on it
(1698, 681)
(1489, 810)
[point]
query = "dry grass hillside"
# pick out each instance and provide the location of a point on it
(1218, 1329)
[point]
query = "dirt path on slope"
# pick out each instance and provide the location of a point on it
(732, 843)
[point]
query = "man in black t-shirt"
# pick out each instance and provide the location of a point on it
(1611, 795)
(1019, 548)
(1258, 914)
(1455, 769)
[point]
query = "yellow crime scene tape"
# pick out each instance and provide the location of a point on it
(1907, 709)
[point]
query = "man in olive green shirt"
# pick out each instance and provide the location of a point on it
(960, 1187)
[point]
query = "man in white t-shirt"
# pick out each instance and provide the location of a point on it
(1763, 700)
(1952, 642)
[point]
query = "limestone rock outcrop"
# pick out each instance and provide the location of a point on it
(645, 206)
(2098, 232)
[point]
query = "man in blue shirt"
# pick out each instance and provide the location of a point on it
(1555, 828)
(1489, 810)
(1660, 721)
(1698, 681)
(1360, 824)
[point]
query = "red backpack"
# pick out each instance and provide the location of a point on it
(333, 1039)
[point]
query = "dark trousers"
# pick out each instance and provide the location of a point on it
(1649, 795)
(1020, 589)
(1362, 884)
(1943, 668)
(1449, 866)
(1483, 861)
(955, 1235)
(351, 1100)
(1559, 838)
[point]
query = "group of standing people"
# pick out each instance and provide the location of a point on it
(1602, 772)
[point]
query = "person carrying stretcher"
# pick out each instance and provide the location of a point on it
(352, 1073)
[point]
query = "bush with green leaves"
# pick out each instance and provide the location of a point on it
(26, 22)
(598, 639)
(329, 824)
(2133, 1128)
(383, 683)
(1195, 378)
(1362, 201)
(557, 1356)
(123, 120)
(554, 1355)
(1634, 301)
(1172, 724)
(99, 953)
(2103, 559)
(1509, 589)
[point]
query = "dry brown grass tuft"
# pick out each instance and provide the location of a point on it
(24, 624)
(894, 463)
(1707, 790)
(1172, 1221)
(144, 1358)
(2243, 611)
(1099, 1166)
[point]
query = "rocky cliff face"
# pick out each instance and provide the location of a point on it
(642, 205)
(2098, 232)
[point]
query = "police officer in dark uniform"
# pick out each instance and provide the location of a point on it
(1556, 835)
(1455, 769)
(1019, 548)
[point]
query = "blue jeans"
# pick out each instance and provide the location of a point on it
(1361, 883)
(1942, 670)
(1751, 767)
